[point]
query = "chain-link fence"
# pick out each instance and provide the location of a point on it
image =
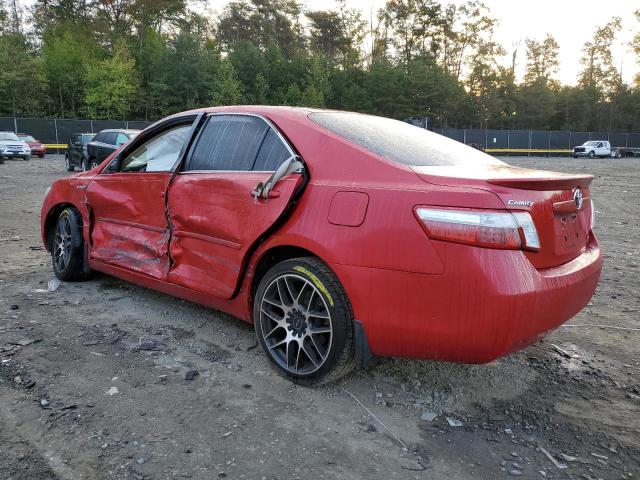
(57, 131)
(536, 140)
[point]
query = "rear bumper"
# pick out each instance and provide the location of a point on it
(486, 304)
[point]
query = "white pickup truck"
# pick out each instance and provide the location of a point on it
(592, 149)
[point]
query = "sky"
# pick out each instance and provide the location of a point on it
(571, 22)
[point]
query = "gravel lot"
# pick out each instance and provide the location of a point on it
(92, 378)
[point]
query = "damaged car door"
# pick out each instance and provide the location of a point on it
(127, 202)
(228, 193)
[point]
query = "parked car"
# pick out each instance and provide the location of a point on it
(11, 147)
(339, 235)
(76, 155)
(105, 143)
(36, 146)
(592, 149)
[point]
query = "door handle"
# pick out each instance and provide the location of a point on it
(271, 194)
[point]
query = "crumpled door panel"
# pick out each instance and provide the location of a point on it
(130, 227)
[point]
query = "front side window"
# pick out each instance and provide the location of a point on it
(158, 154)
(109, 138)
(87, 138)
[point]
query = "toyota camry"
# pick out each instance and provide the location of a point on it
(340, 236)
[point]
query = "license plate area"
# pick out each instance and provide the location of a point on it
(570, 234)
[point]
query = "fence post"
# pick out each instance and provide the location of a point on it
(15, 125)
(626, 142)
(91, 125)
(464, 136)
(529, 153)
(569, 140)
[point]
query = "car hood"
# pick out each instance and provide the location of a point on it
(13, 142)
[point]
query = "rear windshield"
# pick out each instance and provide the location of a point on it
(400, 141)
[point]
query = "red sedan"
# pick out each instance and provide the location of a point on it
(341, 236)
(36, 146)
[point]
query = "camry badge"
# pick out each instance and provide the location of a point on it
(577, 197)
(520, 203)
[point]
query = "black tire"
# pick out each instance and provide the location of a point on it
(84, 165)
(1, 160)
(67, 164)
(67, 236)
(592, 154)
(94, 163)
(312, 282)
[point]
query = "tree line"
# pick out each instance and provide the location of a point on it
(145, 59)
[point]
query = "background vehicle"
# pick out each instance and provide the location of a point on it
(620, 152)
(105, 143)
(37, 148)
(11, 146)
(592, 149)
(339, 235)
(76, 155)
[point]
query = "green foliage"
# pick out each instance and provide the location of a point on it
(149, 58)
(111, 85)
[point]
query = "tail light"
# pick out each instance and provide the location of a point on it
(488, 229)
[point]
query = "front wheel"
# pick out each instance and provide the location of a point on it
(67, 246)
(84, 165)
(592, 154)
(304, 322)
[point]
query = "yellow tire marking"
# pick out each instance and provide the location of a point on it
(316, 281)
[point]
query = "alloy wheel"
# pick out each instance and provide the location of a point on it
(296, 325)
(62, 244)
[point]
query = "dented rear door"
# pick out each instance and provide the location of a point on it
(215, 219)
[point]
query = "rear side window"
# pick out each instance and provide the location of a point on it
(228, 142)
(272, 153)
(121, 138)
(400, 141)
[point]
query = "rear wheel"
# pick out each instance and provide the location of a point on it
(94, 163)
(67, 246)
(304, 323)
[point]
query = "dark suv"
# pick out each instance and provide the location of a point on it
(76, 155)
(106, 142)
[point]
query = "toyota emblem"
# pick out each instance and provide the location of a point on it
(577, 197)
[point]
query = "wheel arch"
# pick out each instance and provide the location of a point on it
(273, 255)
(50, 220)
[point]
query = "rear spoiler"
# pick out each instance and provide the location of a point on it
(544, 183)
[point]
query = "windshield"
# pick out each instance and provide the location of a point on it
(8, 136)
(400, 141)
(590, 144)
(87, 138)
(27, 138)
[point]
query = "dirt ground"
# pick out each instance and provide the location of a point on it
(92, 378)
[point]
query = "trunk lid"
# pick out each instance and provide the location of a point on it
(559, 203)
